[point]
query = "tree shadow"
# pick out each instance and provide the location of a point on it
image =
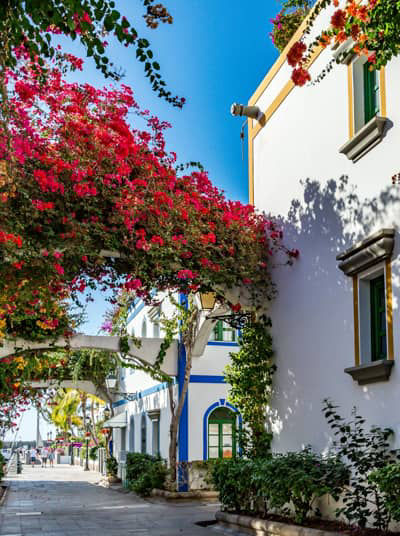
(313, 326)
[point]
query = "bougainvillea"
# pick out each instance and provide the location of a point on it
(88, 200)
(34, 24)
(287, 21)
(373, 27)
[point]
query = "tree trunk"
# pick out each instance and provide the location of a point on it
(189, 337)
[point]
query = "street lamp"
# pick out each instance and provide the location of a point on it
(207, 300)
(236, 320)
(111, 382)
(87, 434)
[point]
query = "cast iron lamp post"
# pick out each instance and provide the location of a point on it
(87, 434)
(236, 320)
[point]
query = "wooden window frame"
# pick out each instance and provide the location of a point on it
(377, 285)
(371, 93)
(219, 330)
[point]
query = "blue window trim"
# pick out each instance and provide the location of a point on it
(183, 432)
(194, 378)
(135, 312)
(221, 402)
(199, 378)
(221, 343)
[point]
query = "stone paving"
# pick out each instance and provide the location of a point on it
(65, 500)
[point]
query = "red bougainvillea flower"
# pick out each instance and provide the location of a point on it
(300, 76)
(338, 19)
(91, 200)
(295, 54)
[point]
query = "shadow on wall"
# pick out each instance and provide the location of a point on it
(313, 312)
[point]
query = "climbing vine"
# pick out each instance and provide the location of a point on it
(372, 26)
(250, 376)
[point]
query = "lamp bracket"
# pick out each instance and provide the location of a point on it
(235, 320)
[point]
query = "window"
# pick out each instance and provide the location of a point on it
(132, 433)
(366, 93)
(155, 437)
(378, 319)
(222, 332)
(369, 264)
(221, 433)
(143, 431)
(371, 93)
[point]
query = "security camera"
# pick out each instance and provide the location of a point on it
(253, 112)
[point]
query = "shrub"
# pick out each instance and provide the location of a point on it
(145, 472)
(2, 463)
(231, 478)
(93, 453)
(298, 478)
(136, 462)
(388, 481)
(111, 466)
(365, 452)
(293, 479)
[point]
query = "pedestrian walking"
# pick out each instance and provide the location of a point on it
(45, 455)
(51, 457)
(33, 457)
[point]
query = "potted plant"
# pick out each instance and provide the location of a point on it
(112, 470)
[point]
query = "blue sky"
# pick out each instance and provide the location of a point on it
(215, 53)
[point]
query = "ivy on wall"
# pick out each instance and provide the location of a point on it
(250, 376)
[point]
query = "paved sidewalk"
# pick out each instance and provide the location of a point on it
(64, 501)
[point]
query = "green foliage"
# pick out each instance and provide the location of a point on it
(250, 375)
(32, 23)
(298, 478)
(145, 472)
(2, 463)
(365, 452)
(388, 481)
(294, 480)
(93, 453)
(111, 466)
(233, 479)
(288, 20)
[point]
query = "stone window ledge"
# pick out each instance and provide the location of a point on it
(365, 139)
(376, 371)
(374, 249)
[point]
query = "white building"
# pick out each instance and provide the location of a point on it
(208, 422)
(336, 320)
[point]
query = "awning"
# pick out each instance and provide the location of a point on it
(118, 421)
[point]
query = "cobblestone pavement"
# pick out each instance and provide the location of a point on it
(65, 500)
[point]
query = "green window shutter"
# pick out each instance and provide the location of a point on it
(219, 331)
(378, 319)
(371, 93)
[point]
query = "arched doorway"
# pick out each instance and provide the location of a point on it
(221, 433)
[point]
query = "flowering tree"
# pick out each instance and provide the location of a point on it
(372, 25)
(33, 24)
(87, 200)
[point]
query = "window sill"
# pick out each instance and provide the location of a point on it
(366, 138)
(376, 371)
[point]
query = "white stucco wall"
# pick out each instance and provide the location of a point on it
(200, 397)
(313, 315)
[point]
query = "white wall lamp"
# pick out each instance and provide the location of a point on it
(252, 112)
